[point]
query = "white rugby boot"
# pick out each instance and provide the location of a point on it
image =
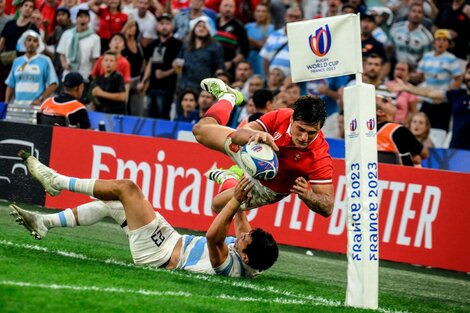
(43, 174)
(219, 175)
(218, 88)
(32, 221)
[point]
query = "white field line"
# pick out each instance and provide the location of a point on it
(299, 298)
(144, 292)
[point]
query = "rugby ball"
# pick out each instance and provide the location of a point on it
(259, 161)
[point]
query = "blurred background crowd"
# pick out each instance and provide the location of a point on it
(147, 57)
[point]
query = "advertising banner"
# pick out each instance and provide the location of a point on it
(325, 47)
(15, 181)
(423, 216)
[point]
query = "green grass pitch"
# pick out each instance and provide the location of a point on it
(89, 269)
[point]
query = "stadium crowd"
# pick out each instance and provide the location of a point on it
(147, 57)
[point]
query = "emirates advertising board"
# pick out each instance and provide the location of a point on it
(424, 216)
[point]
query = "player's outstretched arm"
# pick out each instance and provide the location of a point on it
(219, 228)
(319, 198)
(253, 132)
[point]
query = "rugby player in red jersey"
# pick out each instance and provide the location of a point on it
(305, 166)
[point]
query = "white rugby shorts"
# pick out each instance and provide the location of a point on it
(153, 243)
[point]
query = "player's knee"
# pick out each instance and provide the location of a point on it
(126, 186)
(197, 131)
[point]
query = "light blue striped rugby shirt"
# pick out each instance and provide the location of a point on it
(410, 46)
(439, 71)
(30, 78)
(195, 258)
(274, 42)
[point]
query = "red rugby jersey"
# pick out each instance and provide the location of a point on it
(313, 163)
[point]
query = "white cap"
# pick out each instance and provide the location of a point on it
(206, 20)
(20, 46)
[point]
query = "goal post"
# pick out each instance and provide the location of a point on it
(330, 47)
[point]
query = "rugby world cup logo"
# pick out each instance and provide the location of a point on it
(320, 43)
(371, 124)
(353, 125)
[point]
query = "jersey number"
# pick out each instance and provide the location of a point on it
(158, 237)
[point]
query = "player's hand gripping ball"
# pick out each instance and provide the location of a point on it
(259, 161)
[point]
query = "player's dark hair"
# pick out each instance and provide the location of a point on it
(262, 251)
(261, 97)
(310, 110)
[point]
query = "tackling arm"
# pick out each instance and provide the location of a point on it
(218, 231)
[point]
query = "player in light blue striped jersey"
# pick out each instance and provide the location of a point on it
(152, 240)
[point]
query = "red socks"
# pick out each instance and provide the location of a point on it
(227, 184)
(220, 111)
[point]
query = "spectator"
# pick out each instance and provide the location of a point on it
(384, 19)
(108, 91)
(69, 4)
(348, 9)
(204, 101)
(224, 76)
(328, 90)
(134, 53)
(63, 23)
(276, 79)
(48, 10)
(257, 32)
(111, 20)
(275, 51)
(94, 20)
(440, 70)
(146, 21)
(232, 36)
(277, 9)
(4, 18)
(243, 72)
(370, 45)
(195, 10)
(292, 92)
(79, 48)
(395, 138)
(372, 68)
(117, 44)
(359, 6)
(32, 77)
(420, 126)
(256, 82)
(262, 102)
(202, 55)
(188, 101)
(407, 103)
(280, 100)
(333, 8)
(455, 16)
(12, 31)
(459, 99)
(67, 104)
(160, 76)
(410, 38)
(430, 11)
(36, 20)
